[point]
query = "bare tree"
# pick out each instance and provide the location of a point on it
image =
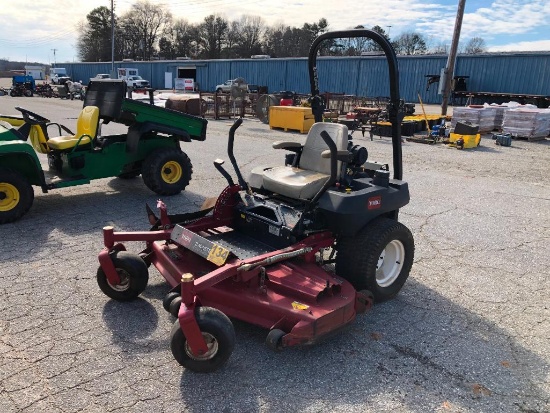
(251, 29)
(475, 45)
(352, 46)
(232, 40)
(440, 48)
(273, 41)
(410, 43)
(179, 39)
(372, 46)
(143, 26)
(211, 36)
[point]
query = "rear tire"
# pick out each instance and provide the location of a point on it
(167, 171)
(379, 258)
(219, 334)
(16, 196)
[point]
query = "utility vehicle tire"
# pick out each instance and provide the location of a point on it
(167, 171)
(13, 93)
(16, 196)
(379, 258)
(274, 339)
(219, 335)
(28, 93)
(218, 90)
(133, 274)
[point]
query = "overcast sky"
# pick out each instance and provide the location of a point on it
(32, 30)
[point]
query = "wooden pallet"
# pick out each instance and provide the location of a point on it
(289, 129)
(530, 138)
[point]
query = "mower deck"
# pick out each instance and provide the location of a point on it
(294, 296)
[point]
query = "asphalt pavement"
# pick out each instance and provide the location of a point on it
(469, 332)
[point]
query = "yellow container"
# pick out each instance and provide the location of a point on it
(470, 141)
(296, 118)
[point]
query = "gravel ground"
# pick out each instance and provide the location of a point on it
(469, 332)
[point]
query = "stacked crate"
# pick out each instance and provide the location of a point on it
(532, 124)
(484, 117)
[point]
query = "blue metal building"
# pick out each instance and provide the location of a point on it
(527, 73)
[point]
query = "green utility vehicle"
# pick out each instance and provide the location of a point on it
(151, 147)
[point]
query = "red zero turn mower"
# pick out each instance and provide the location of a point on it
(264, 254)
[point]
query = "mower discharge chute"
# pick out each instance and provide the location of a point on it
(265, 253)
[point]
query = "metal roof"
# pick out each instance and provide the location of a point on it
(518, 72)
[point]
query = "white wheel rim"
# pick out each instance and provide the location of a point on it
(390, 263)
(124, 281)
(212, 345)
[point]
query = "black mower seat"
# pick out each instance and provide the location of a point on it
(86, 131)
(305, 180)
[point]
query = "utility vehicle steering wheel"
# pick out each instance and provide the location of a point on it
(32, 117)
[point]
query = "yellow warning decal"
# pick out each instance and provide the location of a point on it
(299, 306)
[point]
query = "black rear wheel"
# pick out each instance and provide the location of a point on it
(167, 171)
(379, 258)
(218, 332)
(16, 195)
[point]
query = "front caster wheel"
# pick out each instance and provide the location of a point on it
(274, 339)
(168, 300)
(379, 258)
(133, 274)
(218, 332)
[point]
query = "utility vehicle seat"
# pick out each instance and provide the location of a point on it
(305, 180)
(86, 130)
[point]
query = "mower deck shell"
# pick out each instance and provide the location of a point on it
(297, 297)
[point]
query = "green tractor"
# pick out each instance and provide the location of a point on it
(151, 147)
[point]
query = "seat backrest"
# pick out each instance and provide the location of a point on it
(87, 122)
(38, 139)
(315, 145)
(107, 95)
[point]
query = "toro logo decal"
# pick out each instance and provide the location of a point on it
(374, 202)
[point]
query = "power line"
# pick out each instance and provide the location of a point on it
(26, 43)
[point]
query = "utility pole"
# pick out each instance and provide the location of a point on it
(54, 61)
(449, 69)
(112, 39)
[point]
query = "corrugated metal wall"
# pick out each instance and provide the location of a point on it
(361, 76)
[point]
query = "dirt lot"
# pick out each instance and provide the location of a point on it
(470, 331)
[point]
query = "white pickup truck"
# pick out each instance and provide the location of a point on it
(228, 84)
(137, 82)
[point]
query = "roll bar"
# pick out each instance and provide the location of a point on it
(394, 107)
